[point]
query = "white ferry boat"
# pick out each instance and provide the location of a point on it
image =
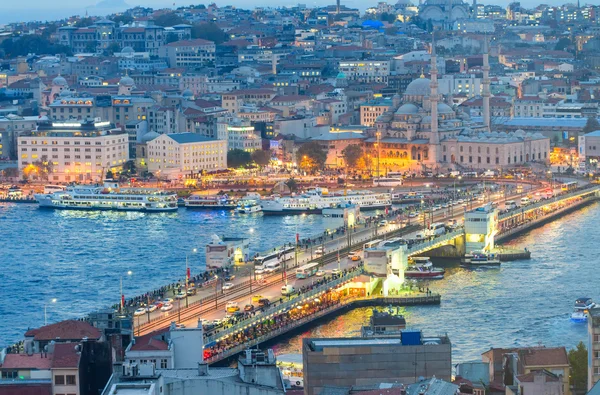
(387, 182)
(316, 199)
(109, 197)
(248, 206)
(214, 202)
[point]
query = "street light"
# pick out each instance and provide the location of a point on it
(129, 273)
(53, 300)
(187, 274)
(454, 196)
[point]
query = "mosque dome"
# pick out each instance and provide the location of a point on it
(443, 108)
(418, 87)
(126, 81)
(127, 50)
(341, 75)
(65, 93)
(149, 136)
(59, 81)
(187, 93)
(407, 109)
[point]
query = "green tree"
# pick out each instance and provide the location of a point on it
(112, 49)
(292, 184)
(261, 157)
(91, 46)
(591, 125)
(238, 158)
(385, 17)
(578, 359)
(123, 18)
(352, 154)
(169, 19)
(562, 44)
(311, 156)
(23, 45)
(129, 167)
(172, 37)
(84, 22)
(209, 31)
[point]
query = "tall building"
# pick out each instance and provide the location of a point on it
(593, 348)
(373, 360)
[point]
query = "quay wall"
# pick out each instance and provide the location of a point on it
(545, 219)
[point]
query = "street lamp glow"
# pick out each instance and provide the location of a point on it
(194, 250)
(251, 230)
(54, 300)
(129, 272)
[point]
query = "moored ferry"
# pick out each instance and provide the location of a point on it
(316, 199)
(214, 202)
(109, 197)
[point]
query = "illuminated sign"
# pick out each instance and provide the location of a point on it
(100, 124)
(66, 124)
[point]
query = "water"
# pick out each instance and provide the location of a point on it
(523, 303)
(78, 257)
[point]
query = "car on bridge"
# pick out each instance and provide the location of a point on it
(227, 286)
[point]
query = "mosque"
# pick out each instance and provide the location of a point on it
(443, 13)
(422, 131)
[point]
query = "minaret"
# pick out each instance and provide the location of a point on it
(486, 86)
(434, 141)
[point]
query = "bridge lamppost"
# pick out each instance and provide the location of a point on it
(53, 300)
(187, 275)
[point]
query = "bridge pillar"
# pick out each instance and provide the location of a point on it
(481, 225)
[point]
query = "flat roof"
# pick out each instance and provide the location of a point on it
(355, 342)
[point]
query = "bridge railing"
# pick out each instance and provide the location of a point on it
(274, 308)
(520, 210)
(435, 242)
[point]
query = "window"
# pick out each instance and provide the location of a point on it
(71, 379)
(163, 363)
(59, 380)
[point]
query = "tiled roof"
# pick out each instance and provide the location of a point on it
(542, 356)
(150, 342)
(24, 361)
(530, 377)
(65, 356)
(66, 330)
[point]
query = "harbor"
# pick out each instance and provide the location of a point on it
(203, 305)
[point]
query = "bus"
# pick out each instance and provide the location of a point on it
(387, 182)
(437, 229)
(371, 244)
(276, 256)
(569, 186)
(272, 267)
(308, 270)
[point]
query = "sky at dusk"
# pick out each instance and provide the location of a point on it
(27, 10)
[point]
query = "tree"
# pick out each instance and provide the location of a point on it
(238, 158)
(91, 46)
(209, 31)
(84, 22)
(261, 157)
(172, 37)
(562, 44)
(24, 45)
(352, 154)
(312, 156)
(292, 184)
(112, 49)
(129, 167)
(591, 125)
(169, 19)
(578, 359)
(109, 175)
(122, 19)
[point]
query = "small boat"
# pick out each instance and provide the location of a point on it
(421, 273)
(579, 316)
(583, 304)
(420, 262)
(291, 367)
(480, 258)
(248, 206)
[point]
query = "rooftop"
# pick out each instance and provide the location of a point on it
(185, 138)
(65, 356)
(24, 361)
(65, 330)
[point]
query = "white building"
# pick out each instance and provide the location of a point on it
(240, 134)
(188, 53)
(460, 84)
(366, 70)
(171, 156)
(76, 151)
(480, 229)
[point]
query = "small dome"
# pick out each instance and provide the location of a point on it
(149, 136)
(341, 75)
(407, 109)
(426, 119)
(65, 93)
(418, 87)
(127, 50)
(59, 81)
(443, 108)
(187, 93)
(126, 81)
